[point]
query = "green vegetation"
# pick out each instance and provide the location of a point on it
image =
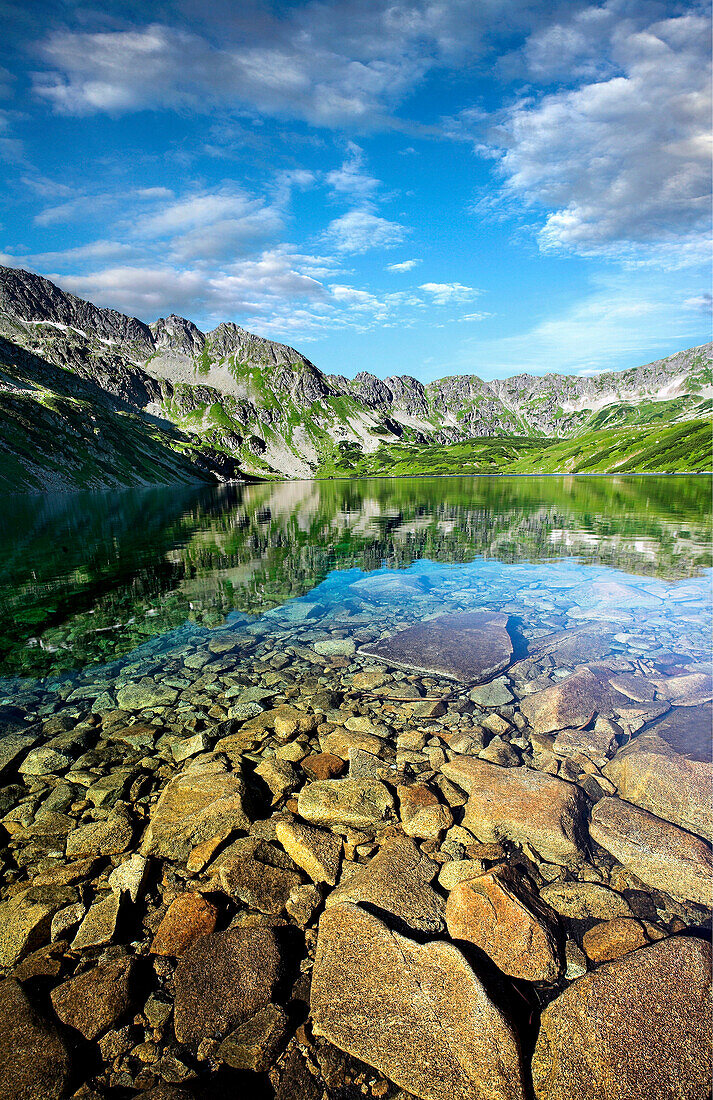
(684, 447)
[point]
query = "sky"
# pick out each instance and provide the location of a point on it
(421, 187)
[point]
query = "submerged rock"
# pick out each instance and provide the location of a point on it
(223, 980)
(94, 1001)
(668, 770)
(416, 1012)
(501, 915)
(188, 917)
(537, 811)
(353, 803)
(396, 883)
(659, 853)
(34, 1063)
(638, 1026)
(201, 802)
(464, 647)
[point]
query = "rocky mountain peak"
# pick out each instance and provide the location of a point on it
(32, 299)
(230, 339)
(177, 334)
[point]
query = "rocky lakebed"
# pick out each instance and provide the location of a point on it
(420, 833)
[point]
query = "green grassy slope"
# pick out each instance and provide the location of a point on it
(677, 448)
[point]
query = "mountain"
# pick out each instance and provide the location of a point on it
(92, 398)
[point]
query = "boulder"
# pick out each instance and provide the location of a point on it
(657, 852)
(189, 916)
(109, 837)
(26, 920)
(638, 1026)
(95, 1000)
(466, 647)
(351, 803)
(416, 1012)
(256, 1044)
(316, 851)
(538, 811)
(34, 1064)
(145, 693)
(572, 702)
(668, 771)
(395, 883)
(613, 938)
(501, 914)
(585, 901)
(223, 980)
(422, 813)
(198, 804)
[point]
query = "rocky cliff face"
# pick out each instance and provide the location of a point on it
(269, 411)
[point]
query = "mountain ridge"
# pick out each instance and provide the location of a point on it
(260, 408)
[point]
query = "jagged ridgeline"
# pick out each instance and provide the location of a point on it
(90, 398)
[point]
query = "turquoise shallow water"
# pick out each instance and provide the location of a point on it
(88, 579)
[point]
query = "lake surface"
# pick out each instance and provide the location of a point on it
(512, 676)
(87, 577)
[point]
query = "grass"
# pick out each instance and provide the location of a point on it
(685, 447)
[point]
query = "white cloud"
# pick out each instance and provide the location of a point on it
(616, 325)
(622, 162)
(331, 63)
(449, 293)
(351, 180)
(256, 284)
(359, 231)
(405, 265)
(703, 302)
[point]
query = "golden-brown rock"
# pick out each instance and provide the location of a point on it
(537, 811)
(417, 1012)
(502, 915)
(638, 1027)
(189, 917)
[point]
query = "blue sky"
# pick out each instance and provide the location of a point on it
(428, 187)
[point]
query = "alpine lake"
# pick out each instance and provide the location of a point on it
(340, 789)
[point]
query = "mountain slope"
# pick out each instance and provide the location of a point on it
(188, 404)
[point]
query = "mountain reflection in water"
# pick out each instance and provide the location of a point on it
(87, 577)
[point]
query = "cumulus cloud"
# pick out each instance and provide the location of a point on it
(405, 265)
(449, 293)
(359, 231)
(350, 180)
(622, 161)
(331, 64)
(247, 286)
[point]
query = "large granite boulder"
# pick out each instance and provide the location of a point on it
(657, 852)
(396, 882)
(502, 915)
(416, 1012)
(572, 702)
(347, 803)
(668, 770)
(639, 1026)
(34, 1063)
(95, 1000)
(467, 647)
(223, 980)
(538, 811)
(201, 802)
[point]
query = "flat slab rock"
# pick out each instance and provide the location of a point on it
(638, 1026)
(535, 810)
(466, 647)
(667, 770)
(416, 1012)
(659, 853)
(396, 881)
